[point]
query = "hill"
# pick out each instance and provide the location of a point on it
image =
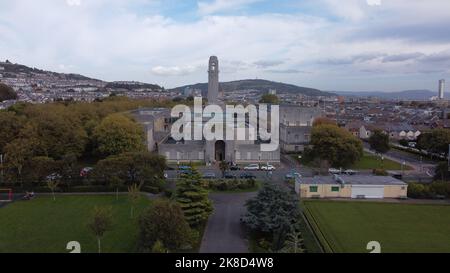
(261, 85)
(402, 95)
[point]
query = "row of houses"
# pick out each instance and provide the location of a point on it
(395, 131)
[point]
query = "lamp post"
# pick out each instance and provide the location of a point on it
(403, 168)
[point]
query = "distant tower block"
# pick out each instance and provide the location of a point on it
(213, 80)
(441, 89)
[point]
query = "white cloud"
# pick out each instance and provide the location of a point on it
(108, 39)
(373, 2)
(73, 2)
(217, 6)
(173, 70)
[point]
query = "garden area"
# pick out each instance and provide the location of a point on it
(400, 228)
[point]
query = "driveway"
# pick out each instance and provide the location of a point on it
(223, 232)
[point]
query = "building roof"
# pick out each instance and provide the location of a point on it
(351, 180)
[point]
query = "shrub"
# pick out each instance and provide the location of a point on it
(380, 172)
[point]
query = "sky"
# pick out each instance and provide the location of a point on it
(345, 45)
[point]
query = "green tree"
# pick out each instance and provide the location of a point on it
(223, 166)
(379, 141)
(435, 141)
(118, 134)
(272, 209)
(193, 198)
(53, 184)
(164, 221)
(269, 99)
(293, 243)
(101, 222)
(335, 145)
(134, 194)
(38, 168)
(7, 93)
(158, 247)
(11, 125)
(441, 172)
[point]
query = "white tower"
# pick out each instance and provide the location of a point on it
(213, 80)
(441, 89)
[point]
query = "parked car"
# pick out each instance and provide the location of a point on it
(229, 175)
(350, 172)
(247, 176)
(53, 177)
(252, 167)
(209, 175)
(334, 171)
(290, 176)
(234, 168)
(85, 171)
(268, 167)
(184, 167)
(184, 173)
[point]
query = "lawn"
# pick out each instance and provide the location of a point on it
(370, 161)
(43, 225)
(348, 226)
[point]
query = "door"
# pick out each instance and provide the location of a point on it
(367, 191)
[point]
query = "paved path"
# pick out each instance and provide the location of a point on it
(223, 232)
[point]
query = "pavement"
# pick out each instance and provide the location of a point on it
(224, 232)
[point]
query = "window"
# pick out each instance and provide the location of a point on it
(334, 189)
(313, 188)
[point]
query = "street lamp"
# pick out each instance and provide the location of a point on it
(403, 167)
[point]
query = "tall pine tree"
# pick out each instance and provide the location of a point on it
(193, 198)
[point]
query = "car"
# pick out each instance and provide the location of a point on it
(252, 167)
(268, 167)
(209, 175)
(229, 175)
(184, 168)
(247, 176)
(184, 173)
(234, 168)
(334, 171)
(53, 177)
(290, 176)
(350, 172)
(85, 171)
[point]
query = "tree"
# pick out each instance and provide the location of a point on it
(7, 93)
(442, 172)
(134, 194)
(118, 134)
(223, 166)
(164, 221)
(17, 153)
(53, 184)
(335, 145)
(100, 223)
(11, 125)
(293, 243)
(272, 209)
(435, 141)
(193, 199)
(143, 168)
(38, 168)
(379, 141)
(158, 247)
(269, 99)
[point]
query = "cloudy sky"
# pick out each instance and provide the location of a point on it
(351, 45)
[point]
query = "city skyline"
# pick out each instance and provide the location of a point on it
(376, 45)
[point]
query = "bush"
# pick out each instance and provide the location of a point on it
(380, 172)
(231, 184)
(151, 189)
(417, 190)
(432, 190)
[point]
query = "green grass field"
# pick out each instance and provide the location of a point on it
(348, 226)
(370, 161)
(43, 225)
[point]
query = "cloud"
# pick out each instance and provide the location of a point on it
(403, 57)
(287, 71)
(173, 70)
(73, 2)
(268, 63)
(219, 6)
(373, 2)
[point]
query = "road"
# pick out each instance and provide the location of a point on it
(224, 232)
